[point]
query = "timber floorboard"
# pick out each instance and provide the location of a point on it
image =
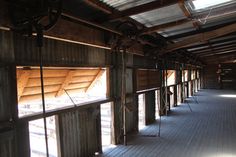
(208, 131)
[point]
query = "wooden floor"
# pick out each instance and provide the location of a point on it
(208, 131)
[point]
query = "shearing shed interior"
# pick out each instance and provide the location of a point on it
(117, 78)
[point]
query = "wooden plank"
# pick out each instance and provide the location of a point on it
(37, 90)
(97, 77)
(86, 72)
(65, 83)
(100, 6)
(34, 82)
(187, 13)
(142, 8)
(36, 97)
(22, 82)
(78, 79)
(77, 85)
(202, 37)
(49, 73)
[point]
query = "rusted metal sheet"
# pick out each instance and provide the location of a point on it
(58, 53)
(6, 47)
(79, 132)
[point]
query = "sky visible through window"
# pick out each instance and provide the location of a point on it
(202, 4)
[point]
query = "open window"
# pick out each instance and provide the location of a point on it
(171, 77)
(63, 87)
(106, 125)
(37, 138)
(141, 111)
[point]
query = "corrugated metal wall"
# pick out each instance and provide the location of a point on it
(79, 132)
(58, 53)
(7, 93)
(210, 77)
(7, 147)
(149, 107)
(6, 47)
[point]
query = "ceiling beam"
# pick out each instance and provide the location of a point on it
(142, 8)
(227, 56)
(22, 82)
(100, 6)
(214, 49)
(215, 52)
(222, 52)
(187, 13)
(202, 30)
(201, 38)
(96, 78)
(214, 46)
(164, 26)
(220, 42)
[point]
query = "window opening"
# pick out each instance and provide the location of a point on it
(106, 125)
(37, 137)
(141, 111)
(82, 85)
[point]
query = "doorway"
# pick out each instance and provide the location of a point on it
(106, 125)
(141, 111)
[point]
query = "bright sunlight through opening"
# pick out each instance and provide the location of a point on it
(201, 4)
(228, 95)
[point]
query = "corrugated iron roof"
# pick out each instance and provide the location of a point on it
(125, 4)
(160, 16)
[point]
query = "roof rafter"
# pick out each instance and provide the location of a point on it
(65, 83)
(201, 38)
(99, 74)
(100, 6)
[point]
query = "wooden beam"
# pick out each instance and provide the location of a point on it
(22, 82)
(201, 38)
(142, 8)
(65, 83)
(212, 47)
(164, 26)
(187, 13)
(219, 53)
(99, 74)
(100, 6)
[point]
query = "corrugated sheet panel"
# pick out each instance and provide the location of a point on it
(7, 148)
(79, 133)
(125, 4)
(210, 77)
(160, 16)
(6, 94)
(187, 27)
(150, 107)
(58, 53)
(6, 47)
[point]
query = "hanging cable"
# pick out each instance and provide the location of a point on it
(39, 44)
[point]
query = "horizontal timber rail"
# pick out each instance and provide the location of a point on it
(65, 109)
